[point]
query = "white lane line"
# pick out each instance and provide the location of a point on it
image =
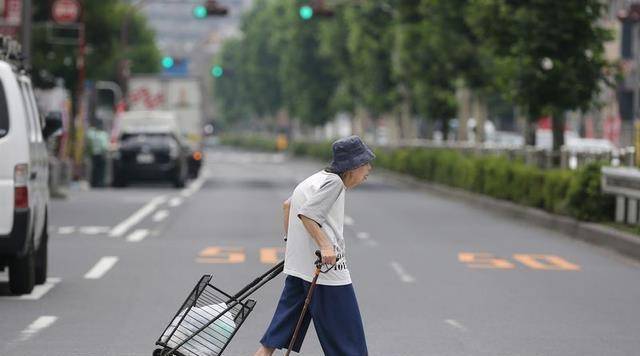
(124, 226)
(38, 325)
(363, 235)
(138, 235)
(101, 268)
(371, 243)
(348, 220)
(66, 230)
(195, 186)
(94, 230)
(38, 291)
(404, 276)
(456, 324)
(160, 215)
(175, 202)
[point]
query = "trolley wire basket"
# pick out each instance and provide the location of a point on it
(209, 318)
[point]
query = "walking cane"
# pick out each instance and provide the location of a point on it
(306, 302)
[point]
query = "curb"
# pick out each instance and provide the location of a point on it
(597, 234)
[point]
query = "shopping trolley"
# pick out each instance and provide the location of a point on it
(209, 318)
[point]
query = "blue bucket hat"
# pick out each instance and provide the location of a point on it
(350, 153)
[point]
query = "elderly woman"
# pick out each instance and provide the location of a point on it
(314, 219)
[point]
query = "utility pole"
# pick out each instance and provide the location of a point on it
(27, 17)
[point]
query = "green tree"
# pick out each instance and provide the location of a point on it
(230, 90)
(103, 21)
(549, 54)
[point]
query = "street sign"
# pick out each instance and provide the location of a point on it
(65, 11)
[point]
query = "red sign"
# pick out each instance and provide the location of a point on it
(65, 11)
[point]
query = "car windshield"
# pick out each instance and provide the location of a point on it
(133, 138)
(4, 114)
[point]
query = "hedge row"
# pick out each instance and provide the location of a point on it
(574, 193)
(249, 141)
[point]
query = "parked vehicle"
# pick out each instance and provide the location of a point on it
(181, 95)
(150, 147)
(24, 172)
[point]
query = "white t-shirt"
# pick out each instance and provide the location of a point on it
(320, 198)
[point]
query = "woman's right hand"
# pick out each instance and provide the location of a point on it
(328, 255)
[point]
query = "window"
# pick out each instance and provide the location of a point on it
(4, 113)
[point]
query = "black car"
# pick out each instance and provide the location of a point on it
(150, 156)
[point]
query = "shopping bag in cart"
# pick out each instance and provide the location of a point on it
(209, 318)
(196, 317)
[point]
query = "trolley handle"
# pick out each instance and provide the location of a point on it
(319, 263)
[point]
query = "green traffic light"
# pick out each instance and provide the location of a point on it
(217, 71)
(167, 62)
(200, 12)
(306, 12)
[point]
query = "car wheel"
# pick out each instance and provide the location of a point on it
(22, 274)
(41, 255)
(179, 181)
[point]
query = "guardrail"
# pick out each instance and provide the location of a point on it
(624, 183)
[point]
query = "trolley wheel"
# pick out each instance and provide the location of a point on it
(157, 352)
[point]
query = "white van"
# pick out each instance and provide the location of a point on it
(24, 171)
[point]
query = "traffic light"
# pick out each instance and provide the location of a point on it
(217, 71)
(314, 8)
(167, 62)
(200, 12)
(306, 12)
(209, 8)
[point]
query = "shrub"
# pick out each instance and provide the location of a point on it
(585, 198)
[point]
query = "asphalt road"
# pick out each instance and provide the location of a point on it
(433, 276)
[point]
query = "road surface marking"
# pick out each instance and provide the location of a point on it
(174, 202)
(348, 220)
(160, 215)
(362, 235)
(38, 325)
(195, 186)
(271, 255)
(484, 260)
(66, 230)
(38, 291)
(128, 223)
(101, 268)
(371, 243)
(404, 276)
(455, 324)
(138, 235)
(546, 262)
(215, 254)
(94, 230)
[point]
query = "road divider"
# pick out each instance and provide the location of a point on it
(38, 325)
(101, 268)
(138, 216)
(137, 235)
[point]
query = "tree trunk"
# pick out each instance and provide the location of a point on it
(557, 126)
(463, 96)
(480, 115)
